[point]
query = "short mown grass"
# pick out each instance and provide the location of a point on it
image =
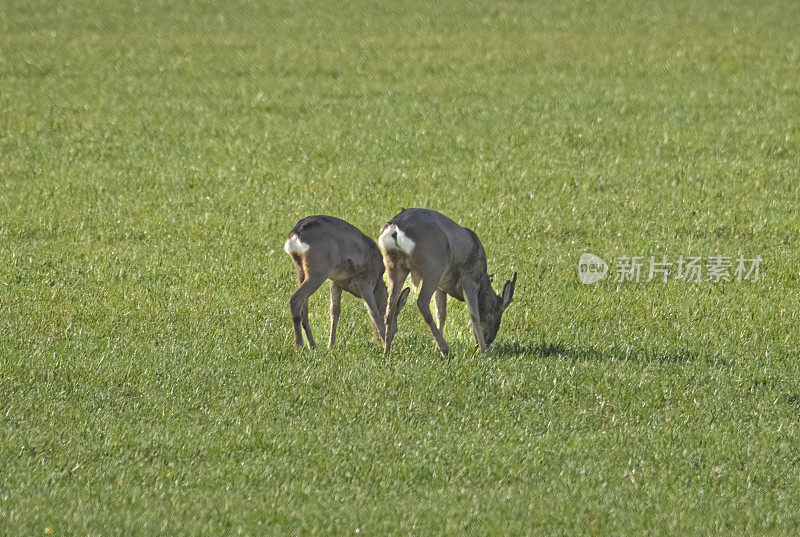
(153, 156)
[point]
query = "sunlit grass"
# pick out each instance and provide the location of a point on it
(153, 156)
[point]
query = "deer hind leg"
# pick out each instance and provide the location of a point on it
(297, 318)
(426, 292)
(336, 308)
(306, 324)
(440, 298)
(298, 303)
(397, 274)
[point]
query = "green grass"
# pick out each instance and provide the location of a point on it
(153, 156)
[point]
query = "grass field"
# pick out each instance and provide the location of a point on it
(153, 156)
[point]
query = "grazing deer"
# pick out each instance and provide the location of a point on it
(324, 247)
(443, 259)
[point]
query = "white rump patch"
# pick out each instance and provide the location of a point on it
(295, 246)
(393, 238)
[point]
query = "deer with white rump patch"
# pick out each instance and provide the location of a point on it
(443, 259)
(324, 247)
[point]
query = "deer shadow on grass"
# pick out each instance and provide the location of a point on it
(558, 349)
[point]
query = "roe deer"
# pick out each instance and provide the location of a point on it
(324, 247)
(448, 260)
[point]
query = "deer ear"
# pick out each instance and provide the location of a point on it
(403, 297)
(508, 291)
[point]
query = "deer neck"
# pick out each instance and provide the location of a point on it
(487, 300)
(381, 296)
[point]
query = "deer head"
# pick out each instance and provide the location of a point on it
(492, 306)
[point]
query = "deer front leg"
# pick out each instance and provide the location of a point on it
(471, 298)
(374, 315)
(336, 308)
(426, 292)
(440, 298)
